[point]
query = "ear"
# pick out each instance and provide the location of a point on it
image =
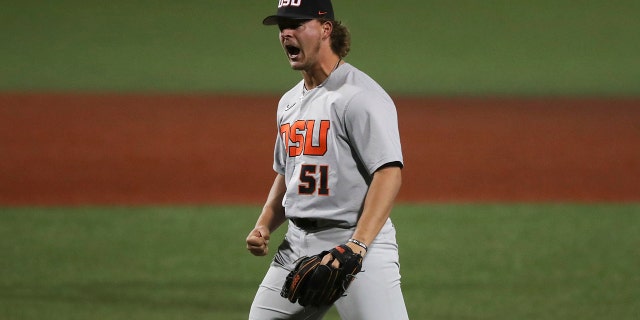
(327, 28)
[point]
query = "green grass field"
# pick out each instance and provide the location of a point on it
(421, 47)
(459, 261)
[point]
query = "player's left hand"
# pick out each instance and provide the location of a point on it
(312, 283)
(336, 264)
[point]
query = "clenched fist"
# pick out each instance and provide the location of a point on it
(258, 241)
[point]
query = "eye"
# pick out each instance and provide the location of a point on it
(291, 24)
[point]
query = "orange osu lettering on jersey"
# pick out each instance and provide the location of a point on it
(299, 137)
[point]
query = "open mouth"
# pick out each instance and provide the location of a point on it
(292, 51)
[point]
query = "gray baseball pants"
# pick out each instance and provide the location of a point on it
(374, 294)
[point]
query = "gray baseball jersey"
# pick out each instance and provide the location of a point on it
(332, 139)
(331, 142)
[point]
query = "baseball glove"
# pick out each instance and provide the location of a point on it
(312, 283)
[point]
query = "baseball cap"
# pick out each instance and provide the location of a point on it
(301, 9)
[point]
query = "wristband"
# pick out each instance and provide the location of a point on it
(360, 244)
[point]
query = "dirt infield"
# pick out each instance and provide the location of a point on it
(77, 149)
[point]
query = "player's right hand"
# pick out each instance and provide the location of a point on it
(258, 241)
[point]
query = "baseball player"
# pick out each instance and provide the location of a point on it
(338, 164)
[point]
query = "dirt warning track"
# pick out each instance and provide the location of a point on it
(76, 149)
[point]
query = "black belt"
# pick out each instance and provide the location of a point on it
(310, 225)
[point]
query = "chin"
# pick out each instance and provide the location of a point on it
(296, 65)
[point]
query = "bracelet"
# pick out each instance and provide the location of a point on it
(360, 244)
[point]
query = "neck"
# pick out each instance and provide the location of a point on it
(319, 74)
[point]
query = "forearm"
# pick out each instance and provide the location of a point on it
(378, 203)
(272, 215)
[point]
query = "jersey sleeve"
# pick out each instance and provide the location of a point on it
(279, 156)
(371, 122)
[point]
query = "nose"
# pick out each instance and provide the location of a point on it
(286, 34)
(286, 31)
